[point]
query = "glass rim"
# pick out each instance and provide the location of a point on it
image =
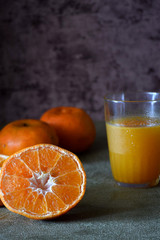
(116, 94)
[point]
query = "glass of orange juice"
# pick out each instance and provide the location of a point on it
(133, 133)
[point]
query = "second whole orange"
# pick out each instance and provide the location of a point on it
(74, 127)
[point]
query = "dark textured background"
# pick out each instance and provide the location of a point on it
(71, 52)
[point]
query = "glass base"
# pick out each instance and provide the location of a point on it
(138, 185)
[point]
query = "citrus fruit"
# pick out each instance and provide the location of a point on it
(2, 159)
(24, 133)
(43, 181)
(74, 127)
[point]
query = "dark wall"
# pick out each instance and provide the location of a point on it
(71, 52)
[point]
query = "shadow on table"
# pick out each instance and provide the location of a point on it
(109, 201)
(99, 147)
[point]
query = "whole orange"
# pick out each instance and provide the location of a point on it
(74, 127)
(24, 133)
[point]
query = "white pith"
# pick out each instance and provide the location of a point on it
(3, 156)
(42, 182)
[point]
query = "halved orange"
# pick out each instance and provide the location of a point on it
(43, 181)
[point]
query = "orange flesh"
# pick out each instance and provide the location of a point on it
(134, 149)
(42, 183)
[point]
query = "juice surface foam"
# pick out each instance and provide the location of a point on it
(136, 122)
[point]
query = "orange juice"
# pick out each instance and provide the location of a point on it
(134, 150)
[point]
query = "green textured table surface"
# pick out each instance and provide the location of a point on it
(107, 211)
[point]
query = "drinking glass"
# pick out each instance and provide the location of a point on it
(133, 134)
